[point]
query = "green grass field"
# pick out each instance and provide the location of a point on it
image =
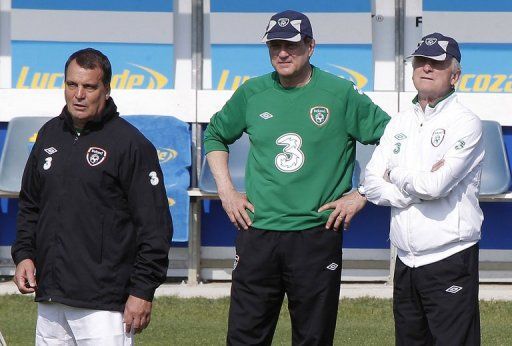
(201, 321)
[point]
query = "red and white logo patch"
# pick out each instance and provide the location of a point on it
(95, 156)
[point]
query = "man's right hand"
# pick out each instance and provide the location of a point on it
(24, 276)
(235, 205)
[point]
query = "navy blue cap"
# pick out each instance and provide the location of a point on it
(289, 26)
(436, 46)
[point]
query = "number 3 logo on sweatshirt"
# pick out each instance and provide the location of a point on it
(47, 163)
(292, 158)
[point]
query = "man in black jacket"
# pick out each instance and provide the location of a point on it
(93, 228)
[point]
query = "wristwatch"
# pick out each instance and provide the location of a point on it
(361, 190)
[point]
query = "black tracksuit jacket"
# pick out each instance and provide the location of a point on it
(93, 213)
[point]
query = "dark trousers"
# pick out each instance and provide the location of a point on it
(437, 304)
(306, 265)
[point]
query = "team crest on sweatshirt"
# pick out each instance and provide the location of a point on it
(319, 115)
(437, 137)
(95, 156)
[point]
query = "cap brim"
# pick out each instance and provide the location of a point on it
(441, 57)
(283, 36)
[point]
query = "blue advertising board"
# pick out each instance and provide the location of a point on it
(96, 5)
(467, 5)
(486, 68)
(484, 39)
(299, 5)
(40, 65)
(232, 64)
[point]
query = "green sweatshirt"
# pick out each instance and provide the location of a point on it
(302, 144)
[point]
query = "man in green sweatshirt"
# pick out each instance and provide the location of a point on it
(303, 124)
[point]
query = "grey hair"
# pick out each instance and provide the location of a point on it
(455, 66)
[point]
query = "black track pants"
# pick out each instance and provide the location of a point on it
(306, 265)
(437, 304)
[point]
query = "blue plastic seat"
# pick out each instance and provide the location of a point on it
(495, 170)
(238, 152)
(363, 156)
(20, 138)
(172, 139)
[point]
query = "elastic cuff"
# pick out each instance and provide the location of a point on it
(142, 294)
(21, 256)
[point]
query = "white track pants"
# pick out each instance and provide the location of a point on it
(59, 324)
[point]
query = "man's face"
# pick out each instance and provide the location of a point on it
(85, 93)
(290, 58)
(433, 79)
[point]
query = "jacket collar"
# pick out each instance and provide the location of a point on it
(433, 109)
(108, 114)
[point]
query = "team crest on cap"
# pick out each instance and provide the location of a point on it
(319, 115)
(437, 137)
(95, 156)
(430, 41)
(282, 22)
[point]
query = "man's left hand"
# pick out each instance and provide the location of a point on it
(137, 314)
(437, 165)
(344, 211)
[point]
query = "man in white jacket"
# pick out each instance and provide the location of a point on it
(427, 168)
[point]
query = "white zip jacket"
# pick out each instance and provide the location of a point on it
(433, 214)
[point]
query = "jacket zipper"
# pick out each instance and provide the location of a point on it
(75, 140)
(417, 139)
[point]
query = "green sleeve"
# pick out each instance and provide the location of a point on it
(228, 124)
(365, 120)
